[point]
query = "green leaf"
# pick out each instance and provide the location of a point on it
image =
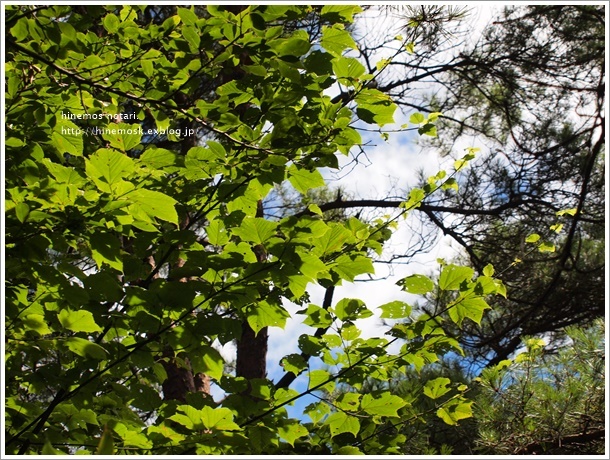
(294, 46)
(436, 388)
(111, 23)
(263, 314)
(132, 436)
(488, 270)
(450, 183)
(311, 265)
(304, 180)
(395, 310)
(256, 230)
(463, 162)
(454, 413)
(185, 421)
(416, 284)
(106, 249)
(348, 450)
(291, 430)
(86, 349)
(317, 377)
(546, 246)
(385, 404)
(348, 68)
(557, 228)
(122, 136)
(533, 238)
(470, 307)
(191, 36)
(158, 158)
(209, 361)
(348, 401)
(428, 130)
(37, 323)
(332, 240)
(335, 40)
(348, 267)
(351, 309)
(106, 444)
(416, 118)
(20, 29)
(375, 107)
(108, 167)
(154, 204)
(316, 316)
(317, 411)
(187, 16)
(293, 363)
(202, 162)
(452, 276)
(48, 449)
(339, 13)
(217, 233)
(68, 138)
(22, 210)
(340, 422)
(78, 321)
(219, 418)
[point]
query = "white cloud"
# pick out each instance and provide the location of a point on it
(385, 169)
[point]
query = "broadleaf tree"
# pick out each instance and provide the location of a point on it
(142, 145)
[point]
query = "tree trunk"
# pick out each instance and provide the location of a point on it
(251, 347)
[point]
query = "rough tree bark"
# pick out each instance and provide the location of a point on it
(252, 347)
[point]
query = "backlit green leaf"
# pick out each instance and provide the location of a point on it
(68, 138)
(349, 267)
(122, 136)
(86, 348)
(340, 422)
(335, 40)
(219, 418)
(111, 23)
(335, 13)
(452, 276)
(304, 180)
(416, 118)
(395, 310)
(316, 316)
(453, 414)
(351, 309)
(470, 307)
(291, 430)
(78, 321)
(108, 166)
(36, 323)
(106, 249)
(348, 68)
(155, 204)
(436, 388)
(217, 233)
(293, 363)
(385, 404)
(263, 314)
(209, 362)
(106, 444)
(416, 284)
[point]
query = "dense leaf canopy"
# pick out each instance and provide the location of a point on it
(145, 146)
(141, 144)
